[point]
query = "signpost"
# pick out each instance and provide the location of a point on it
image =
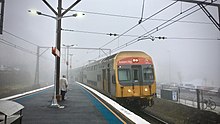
(55, 52)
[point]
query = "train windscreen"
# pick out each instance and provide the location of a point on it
(148, 74)
(124, 75)
(135, 74)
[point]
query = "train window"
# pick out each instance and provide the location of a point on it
(124, 75)
(136, 71)
(148, 74)
(135, 74)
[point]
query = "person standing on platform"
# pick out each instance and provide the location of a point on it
(63, 86)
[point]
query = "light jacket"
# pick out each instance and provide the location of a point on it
(63, 84)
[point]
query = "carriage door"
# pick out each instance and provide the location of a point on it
(136, 76)
(109, 80)
(104, 80)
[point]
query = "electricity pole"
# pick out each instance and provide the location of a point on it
(59, 14)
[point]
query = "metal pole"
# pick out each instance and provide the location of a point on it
(71, 57)
(179, 94)
(58, 42)
(198, 98)
(37, 68)
(202, 99)
(67, 64)
(54, 100)
(2, 15)
(57, 59)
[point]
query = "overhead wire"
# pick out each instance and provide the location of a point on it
(20, 47)
(123, 34)
(20, 38)
(158, 28)
(138, 24)
(149, 18)
(102, 33)
(135, 17)
(98, 33)
(190, 38)
(17, 46)
(3, 41)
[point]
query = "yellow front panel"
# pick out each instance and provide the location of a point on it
(153, 88)
(136, 91)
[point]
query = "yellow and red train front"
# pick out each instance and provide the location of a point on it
(135, 77)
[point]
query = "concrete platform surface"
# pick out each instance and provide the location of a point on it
(80, 108)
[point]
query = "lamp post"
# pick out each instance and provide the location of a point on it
(67, 61)
(58, 17)
(169, 66)
(71, 63)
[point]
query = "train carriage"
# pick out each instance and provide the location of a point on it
(127, 76)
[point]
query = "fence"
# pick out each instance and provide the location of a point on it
(198, 98)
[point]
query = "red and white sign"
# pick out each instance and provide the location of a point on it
(55, 51)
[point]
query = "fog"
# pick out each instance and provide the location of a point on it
(191, 50)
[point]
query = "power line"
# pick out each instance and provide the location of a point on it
(17, 47)
(21, 48)
(157, 28)
(180, 38)
(138, 24)
(156, 37)
(149, 18)
(135, 17)
(190, 38)
(20, 38)
(98, 33)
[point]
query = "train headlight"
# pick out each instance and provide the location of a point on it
(129, 90)
(135, 60)
(145, 89)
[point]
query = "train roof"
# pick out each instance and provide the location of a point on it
(122, 53)
(109, 57)
(125, 53)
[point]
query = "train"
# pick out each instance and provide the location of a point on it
(127, 77)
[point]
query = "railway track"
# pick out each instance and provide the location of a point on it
(153, 119)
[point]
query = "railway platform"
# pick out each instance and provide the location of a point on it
(81, 107)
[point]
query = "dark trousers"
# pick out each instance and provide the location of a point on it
(63, 94)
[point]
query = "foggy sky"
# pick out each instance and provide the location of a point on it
(175, 59)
